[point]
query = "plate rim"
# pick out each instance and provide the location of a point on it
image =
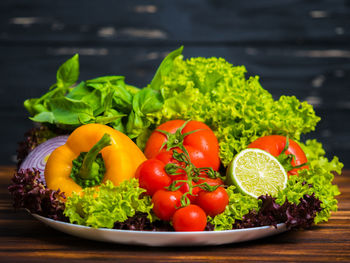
(144, 232)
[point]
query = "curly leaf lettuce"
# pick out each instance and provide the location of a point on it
(210, 90)
(239, 205)
(317, 179)
(314, 182)
(238, 109)
(103, 206)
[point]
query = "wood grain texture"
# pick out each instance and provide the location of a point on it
(23, 239)
(298, 48)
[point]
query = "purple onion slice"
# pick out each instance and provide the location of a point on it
(38, 157)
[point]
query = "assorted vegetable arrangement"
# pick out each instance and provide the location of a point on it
(200, 148)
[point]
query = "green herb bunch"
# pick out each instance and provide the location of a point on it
(105, 100)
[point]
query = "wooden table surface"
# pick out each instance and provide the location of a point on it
(24, 239)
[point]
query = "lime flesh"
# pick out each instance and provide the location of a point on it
(256, 172)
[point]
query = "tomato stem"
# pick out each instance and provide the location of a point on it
(176, 139)
(286, 159)
(192, 174)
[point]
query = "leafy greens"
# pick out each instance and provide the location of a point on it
(108, 205)
(237, 109)
(106, 100)
(210, 90)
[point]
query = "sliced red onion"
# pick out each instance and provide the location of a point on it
(38, 157)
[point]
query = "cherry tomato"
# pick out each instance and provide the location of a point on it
(213, 203)
(274, 144)
(152, 176)
(165, 203)
(167, 157)
(189, 218)
(210, 181)
(185, 188)
(202, 145)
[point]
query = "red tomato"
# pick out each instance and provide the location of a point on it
(213, 203)
(185, 188)
(152, 176)
(165, 203)
(189, 218)
(202, 145)
(167, 157)
(210, 181)
(274, 144)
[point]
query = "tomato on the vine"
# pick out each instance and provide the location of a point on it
(195, 137)
(189, 218)
(152, 176)
(185, 188)
(165, 203)
(210, 181)
(167, 157)
(275, 144)
(213, 203)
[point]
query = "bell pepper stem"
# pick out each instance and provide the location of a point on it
(90, 168)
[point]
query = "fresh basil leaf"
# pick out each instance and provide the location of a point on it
(39, 108)
(108, 119)
(122, 98)
(118, 125)
(38, 105)
(94, 99)
(29, 105)
(68, 72)
(79, 91)
(71, 112)
(136, 124)
(142, 138)
(147, 101)
(44, 117)
(108, 99)
(86, 94)
(113, 118)
(97, 85)
(105, 79)
(132, 89)
(164, 68)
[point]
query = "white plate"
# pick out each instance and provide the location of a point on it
(160, 239)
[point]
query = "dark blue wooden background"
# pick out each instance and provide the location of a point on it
(299, 48)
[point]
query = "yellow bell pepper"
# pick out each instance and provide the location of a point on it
(78, 163)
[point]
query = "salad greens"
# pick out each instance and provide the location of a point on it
(28, 191)
(108, 205)
(316, 180)
(104, 100)
(237, 109)
(239, 205)
(210, 90)
(318, 177)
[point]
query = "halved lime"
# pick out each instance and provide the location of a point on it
(256, 172)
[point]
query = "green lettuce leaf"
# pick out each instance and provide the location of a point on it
(102, 207)
(239, 205)
(236, 108)
(317, 179)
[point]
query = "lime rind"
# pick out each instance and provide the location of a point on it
(256, 172)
